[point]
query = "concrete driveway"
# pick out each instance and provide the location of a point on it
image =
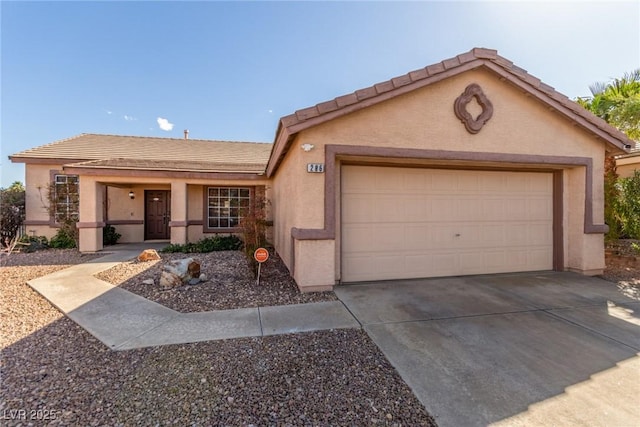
(513, 349)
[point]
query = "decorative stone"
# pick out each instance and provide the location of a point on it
(203, 277)
(194, 269)
(179, 271)
(148, 255)
(169, 280)
(148, 282)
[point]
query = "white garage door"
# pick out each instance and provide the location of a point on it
(408, 223)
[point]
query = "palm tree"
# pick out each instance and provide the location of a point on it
(618, 103)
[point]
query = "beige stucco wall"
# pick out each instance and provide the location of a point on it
(424, 119)
(625, 167)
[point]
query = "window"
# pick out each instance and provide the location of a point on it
(66, 197)
(225, 206)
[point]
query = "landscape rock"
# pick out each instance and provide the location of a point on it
(149, 255)
(148, 281)
(169, 280)
(179, 271)
(203, 277)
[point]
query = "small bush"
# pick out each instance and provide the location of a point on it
(208, 244)
(35, 243)
(109, 235)
(11, 211)
(65, 238)
(627, 206)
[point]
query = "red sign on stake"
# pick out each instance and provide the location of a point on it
(261, 255)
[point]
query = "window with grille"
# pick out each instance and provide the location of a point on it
(225, 206)
(66, 198)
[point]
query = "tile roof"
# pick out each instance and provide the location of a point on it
(476, 58)
(135, 152)
(170, 165)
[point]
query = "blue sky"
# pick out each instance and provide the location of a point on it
(230, 70)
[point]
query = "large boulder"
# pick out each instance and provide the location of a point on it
(148, 255)
(179, 271)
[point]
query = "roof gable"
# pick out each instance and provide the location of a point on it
(489, 59)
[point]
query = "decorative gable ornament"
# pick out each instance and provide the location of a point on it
(460, 108)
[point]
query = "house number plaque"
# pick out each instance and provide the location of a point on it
(315, 167)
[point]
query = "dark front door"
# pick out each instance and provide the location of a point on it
(157, 215)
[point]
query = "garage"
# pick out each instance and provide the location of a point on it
(399, 223)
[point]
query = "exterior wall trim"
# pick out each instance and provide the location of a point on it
(124, 222)
(133, 173)
(554, 162)
(94, 224)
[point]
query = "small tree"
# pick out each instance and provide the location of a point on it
(253, 225)
(12, 212)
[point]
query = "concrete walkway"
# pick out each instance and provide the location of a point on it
(123, 320)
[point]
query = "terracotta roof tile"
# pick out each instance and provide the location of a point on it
(466, 57)
(307, 113)
(328, 106)
(435, 68)
(384, 87)
(418, 74)
(481, 52)
(450, 63)
(366, 93)
(345, 100)
(401, 80)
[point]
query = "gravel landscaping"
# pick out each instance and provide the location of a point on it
(55, 373)
(230, 283)
(623, 266)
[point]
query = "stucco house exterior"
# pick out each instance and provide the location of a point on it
(627, 164)
(468, 166)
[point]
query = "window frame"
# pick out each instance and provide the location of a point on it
(67, 204)
(229, 209)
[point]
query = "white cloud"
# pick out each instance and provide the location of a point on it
(269, 111)
(129, 118)
(164, 124)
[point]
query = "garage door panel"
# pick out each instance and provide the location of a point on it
(357, 209)
(387, 238)
(356, 236)
(386, 206)
(417, 237)
(429, 223)
(540, 209)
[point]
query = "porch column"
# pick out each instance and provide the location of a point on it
(91, 218)
(178, 221)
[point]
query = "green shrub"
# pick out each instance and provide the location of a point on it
(11, 211)
(109, 235)
(65, 238)
(208, 244)
(628, 206)
(34, 243)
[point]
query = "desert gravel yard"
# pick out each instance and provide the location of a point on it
(55, 373)
(230, 283)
